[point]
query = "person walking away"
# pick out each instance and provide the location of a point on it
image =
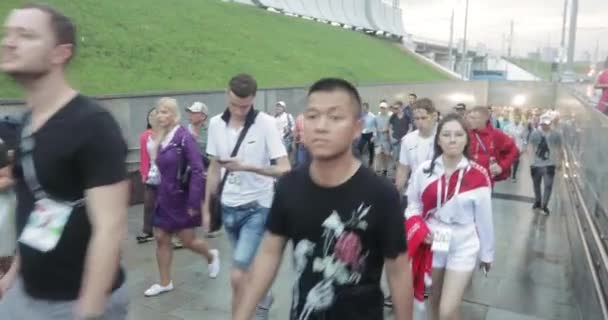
(545, 152)
(449, 221)
(177, 210)
(242, 144)
(69, 266)
(343, 220)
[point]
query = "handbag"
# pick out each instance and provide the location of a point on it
(184, 172)
(215, 205)
(153, 176)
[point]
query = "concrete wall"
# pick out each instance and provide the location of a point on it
(130, 111)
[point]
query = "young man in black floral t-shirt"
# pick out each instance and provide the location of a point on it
(345, 223)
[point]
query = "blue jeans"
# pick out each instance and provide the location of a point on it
(245, 225)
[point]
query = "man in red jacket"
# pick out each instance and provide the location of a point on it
(490, 147)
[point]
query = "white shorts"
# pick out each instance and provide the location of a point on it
(464, 247)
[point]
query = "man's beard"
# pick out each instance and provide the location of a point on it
(27, 77)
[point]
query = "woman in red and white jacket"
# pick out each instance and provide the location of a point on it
(449, 220)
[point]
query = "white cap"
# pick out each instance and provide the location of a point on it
(545, 119)
(383, 105)
(198, 107)
(282, 104)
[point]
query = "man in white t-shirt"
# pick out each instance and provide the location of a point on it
(285, 124)
(249, 188)
(417, 146)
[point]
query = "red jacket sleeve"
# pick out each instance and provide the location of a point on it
(144, 157)
(507, 150)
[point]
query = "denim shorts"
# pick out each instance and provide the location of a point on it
(245, 225)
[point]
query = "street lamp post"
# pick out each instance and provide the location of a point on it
(572, 35)
(464, 50)
(451, 50)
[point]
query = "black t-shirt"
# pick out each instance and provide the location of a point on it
(400, 126)
(78, 148)
(341, 236)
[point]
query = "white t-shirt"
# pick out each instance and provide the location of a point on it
(285, 123)
(415, 150)
(261, 144)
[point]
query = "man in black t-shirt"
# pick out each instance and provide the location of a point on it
(398, 128)
(344, 222)
(70, 181)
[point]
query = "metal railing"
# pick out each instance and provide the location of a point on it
(592, 237)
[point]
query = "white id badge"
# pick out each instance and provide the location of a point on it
(441, 239)
(45, 224)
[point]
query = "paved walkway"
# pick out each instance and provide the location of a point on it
(530, 279)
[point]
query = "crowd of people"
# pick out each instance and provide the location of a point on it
(265, 180)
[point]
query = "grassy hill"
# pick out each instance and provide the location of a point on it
(155, 45)
(542, 69)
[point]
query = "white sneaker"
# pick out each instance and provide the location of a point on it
(157, 289)
(214, 266)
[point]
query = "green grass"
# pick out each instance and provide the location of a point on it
(543, 69)
(128, 46)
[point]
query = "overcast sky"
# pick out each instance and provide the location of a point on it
(537, 23)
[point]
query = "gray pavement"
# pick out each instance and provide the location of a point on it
(530, 279)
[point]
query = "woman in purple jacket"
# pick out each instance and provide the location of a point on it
(177, 210)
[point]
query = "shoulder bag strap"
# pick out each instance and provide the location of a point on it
(30, 177)
(26, 147)
(239, 141)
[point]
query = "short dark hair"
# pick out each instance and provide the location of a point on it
(464, 106)
(398, 103)
(243, 85)
(335, 84)
(485, 111)
(63, 27)
(424, 104)
(413, 95)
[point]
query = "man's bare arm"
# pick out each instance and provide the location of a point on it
(262, 274)
(403, 173)
(107, 207)
(213, 180)
(10, 276)
(281, 167)
(399, 276)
